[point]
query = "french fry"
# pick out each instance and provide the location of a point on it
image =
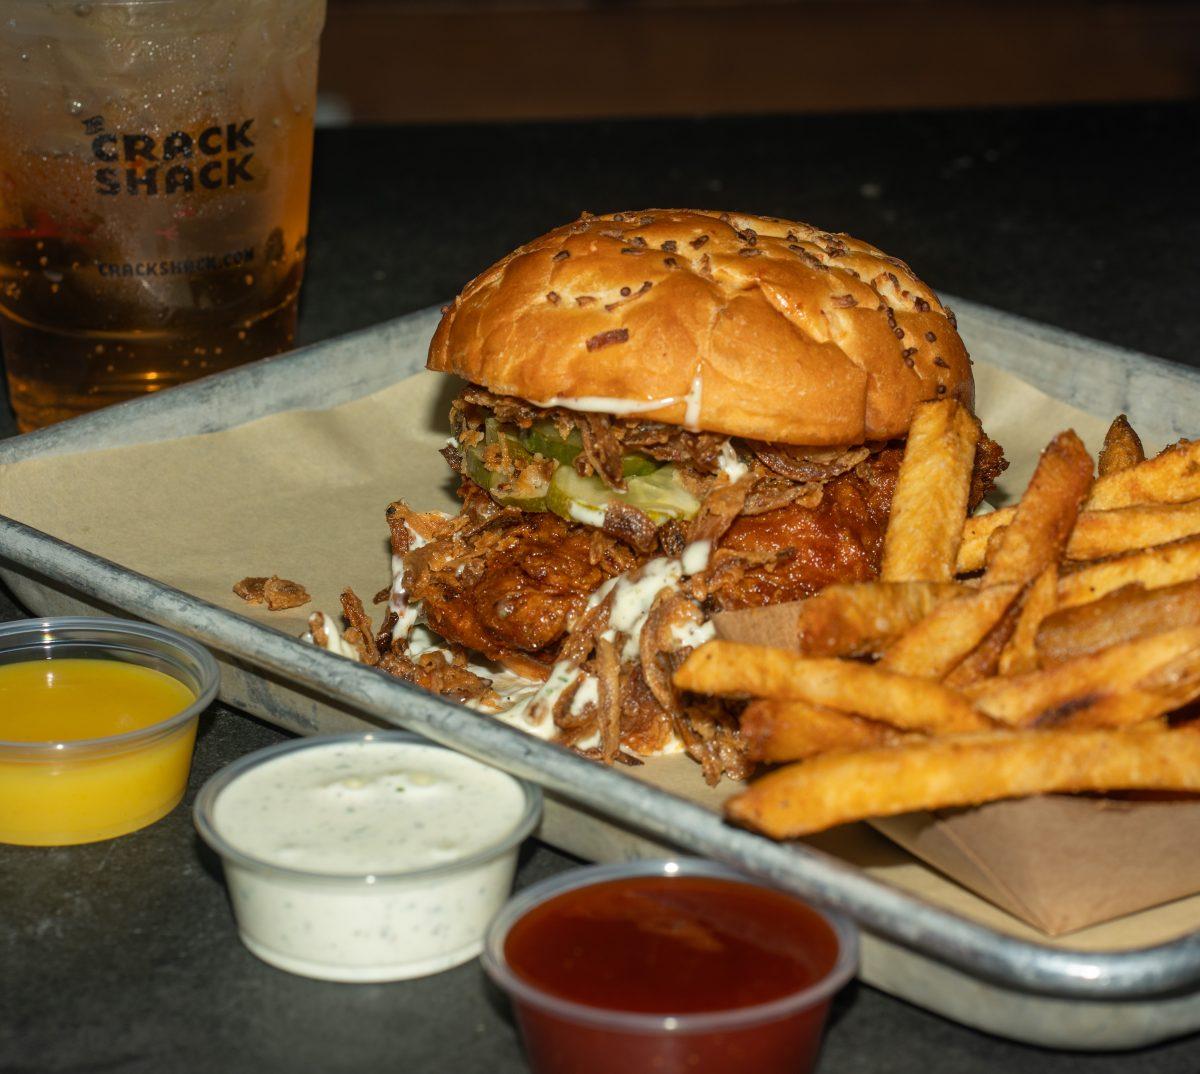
(1122, 615)
(777, 731)
(1151, 567)
(1176, 678)
(947, 634)
(1167, 690)
(982, 661)
(1106, 533)
(1045, 516)
(1129, 709)
(930, 501)
(993, 546)
(861, 619)
(1172, 476)
(978, 530)
(1048, 694)
(1097, 534)
(1020, 654)
(1122, 448)
(837, 788)
(731, 669)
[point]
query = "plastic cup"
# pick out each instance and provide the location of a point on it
(155, 162)
(781, 1036)
(370, 925)
(60, 792)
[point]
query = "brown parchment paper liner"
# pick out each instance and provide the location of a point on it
(301, 494)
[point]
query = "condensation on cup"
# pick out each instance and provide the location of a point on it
(155, 162)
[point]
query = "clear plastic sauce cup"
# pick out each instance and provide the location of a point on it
(97, 723)
(670, 967)
(365, 857)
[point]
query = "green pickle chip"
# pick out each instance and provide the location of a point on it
(548, 442)
(583, 499)
(651, 488)
(525, 493)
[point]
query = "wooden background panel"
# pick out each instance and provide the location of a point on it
(401, 61)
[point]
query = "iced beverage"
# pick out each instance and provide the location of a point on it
(155, 160)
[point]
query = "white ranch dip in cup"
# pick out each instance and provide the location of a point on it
(372, 857)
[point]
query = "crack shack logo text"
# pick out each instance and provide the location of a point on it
(139, 165)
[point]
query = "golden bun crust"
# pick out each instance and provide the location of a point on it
(722, 322)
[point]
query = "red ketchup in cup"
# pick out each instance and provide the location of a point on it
(668, 967)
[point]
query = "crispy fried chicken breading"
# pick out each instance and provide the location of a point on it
(513, 585)
(840, 539)
(796, 550)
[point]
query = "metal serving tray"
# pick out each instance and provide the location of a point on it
(1038, 992)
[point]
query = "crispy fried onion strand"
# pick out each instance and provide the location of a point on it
(637, 707)
(439, 671)
(807, 464)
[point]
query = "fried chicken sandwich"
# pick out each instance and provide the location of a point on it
(666, 413)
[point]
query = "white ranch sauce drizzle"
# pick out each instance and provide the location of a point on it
(533, 710)
(691, 413)
(587, 694)
(406, 614)
(695, 557)
(589, 516)
(334, 643)
(693, 634)
(730, 465)
(606, 404)
(632, 597)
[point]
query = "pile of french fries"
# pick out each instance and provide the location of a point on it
(1040, 648)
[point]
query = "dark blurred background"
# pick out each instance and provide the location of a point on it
(449, 60)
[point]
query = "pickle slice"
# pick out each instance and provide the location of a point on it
(547, 441)
(584, 499)
(637, 465)
(526, 492)
(652, 488)
(577, 498)
(493, 430)
(661, 495)
(476, 471)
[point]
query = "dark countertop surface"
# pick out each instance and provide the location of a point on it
(122, 956)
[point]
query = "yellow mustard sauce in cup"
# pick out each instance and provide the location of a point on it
(96, 746)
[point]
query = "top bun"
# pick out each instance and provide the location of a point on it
(721, 322)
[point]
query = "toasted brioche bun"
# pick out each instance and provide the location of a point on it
(722, 322)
